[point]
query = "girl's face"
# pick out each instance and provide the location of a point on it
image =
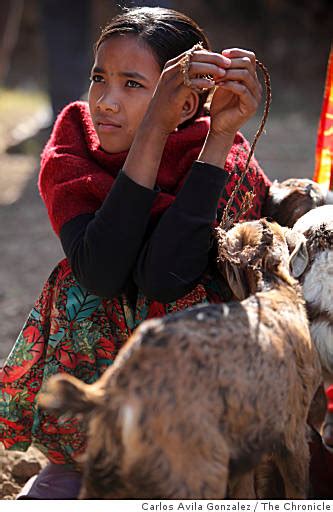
(123, 80)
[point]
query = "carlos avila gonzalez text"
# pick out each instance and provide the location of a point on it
(236, 506)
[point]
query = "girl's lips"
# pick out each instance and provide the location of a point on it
(108, 127)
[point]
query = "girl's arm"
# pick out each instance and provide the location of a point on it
(176, 255)
(102, 248)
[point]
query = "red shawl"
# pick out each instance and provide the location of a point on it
(76, 174)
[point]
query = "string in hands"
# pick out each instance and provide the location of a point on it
(227, 221)
(185, 64)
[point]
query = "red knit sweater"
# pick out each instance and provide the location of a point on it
(76, 174)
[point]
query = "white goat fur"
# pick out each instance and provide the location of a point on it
(317, 280)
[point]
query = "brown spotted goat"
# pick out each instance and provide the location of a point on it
(195, 399)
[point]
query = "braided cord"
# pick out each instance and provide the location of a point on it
(227, 221)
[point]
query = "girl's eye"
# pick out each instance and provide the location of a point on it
(132, 84)
(96, 78)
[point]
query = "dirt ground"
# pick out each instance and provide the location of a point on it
(16, 468)
(29, 249)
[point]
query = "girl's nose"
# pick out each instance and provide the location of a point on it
(107, 103)
(113, 107)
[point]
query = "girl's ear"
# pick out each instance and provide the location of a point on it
(190, 106)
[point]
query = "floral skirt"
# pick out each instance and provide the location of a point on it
(70, 330)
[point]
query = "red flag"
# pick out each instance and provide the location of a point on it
(324, 150)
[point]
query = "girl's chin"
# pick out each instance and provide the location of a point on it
(114, 146)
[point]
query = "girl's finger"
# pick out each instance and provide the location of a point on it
(243, 93)
(245, 77)
(205, 68)
(173, 62)
(198, 81)
(214, 58)
(199, 84)
(202, 56)
(242, 59)
(234, 53)
(244, 63)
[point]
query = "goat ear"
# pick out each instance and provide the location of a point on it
(65, 394)
(299, 259)
(236, 281)
(293, 238)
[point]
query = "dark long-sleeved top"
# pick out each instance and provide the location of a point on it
(108, 248)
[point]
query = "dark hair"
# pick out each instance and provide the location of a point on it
(168, 33)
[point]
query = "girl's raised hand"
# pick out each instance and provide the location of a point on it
(173, 101)
(237, 95)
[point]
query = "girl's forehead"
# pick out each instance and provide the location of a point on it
(122, 51)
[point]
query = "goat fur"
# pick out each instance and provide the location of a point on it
(315, 272)
(288, 200)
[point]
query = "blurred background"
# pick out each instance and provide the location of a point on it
(45, 56)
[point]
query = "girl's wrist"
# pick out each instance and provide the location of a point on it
(153, 123)
(152, 127)
(144, 157)
(216, 148)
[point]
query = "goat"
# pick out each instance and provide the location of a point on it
(288, 200)
(194, 400)
(314, 269)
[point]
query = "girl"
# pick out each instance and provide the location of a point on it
(133, 183)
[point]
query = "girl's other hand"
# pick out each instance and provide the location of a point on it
(237, 95)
